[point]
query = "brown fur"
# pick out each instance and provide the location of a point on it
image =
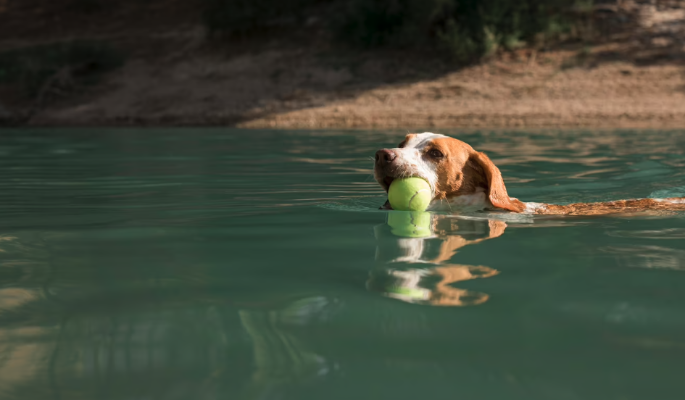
(497, 192)
(650, 206)
(451, 177)
(465, 171)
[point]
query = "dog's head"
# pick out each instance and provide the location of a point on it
(451, 167)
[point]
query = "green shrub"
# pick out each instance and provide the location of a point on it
(390, 22)
(86, 6)
(455, 42)
(463, 29)
(30, 67)
(242, 16)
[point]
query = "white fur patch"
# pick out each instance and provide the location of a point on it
(672, 201)
(532, 208)
(410, 163)
(422, 140)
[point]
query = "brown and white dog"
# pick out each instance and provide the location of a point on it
(463, 179)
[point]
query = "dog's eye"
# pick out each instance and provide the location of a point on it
(435, 153)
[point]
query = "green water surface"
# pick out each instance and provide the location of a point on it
(234, 264)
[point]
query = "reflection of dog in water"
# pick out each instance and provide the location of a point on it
(432, 241)
(424, 242)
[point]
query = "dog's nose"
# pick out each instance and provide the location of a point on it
(385, 156)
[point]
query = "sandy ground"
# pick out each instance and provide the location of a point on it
(509, 95)
(281, 89)
(177, 78)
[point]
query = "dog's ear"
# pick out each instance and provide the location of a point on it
(497, 192)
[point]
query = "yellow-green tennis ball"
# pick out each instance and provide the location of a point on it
(410, 224)
(409, 194)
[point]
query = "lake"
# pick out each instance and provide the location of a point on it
(246, 264)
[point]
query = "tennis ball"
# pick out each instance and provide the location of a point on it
(415, 224)
(409, 194)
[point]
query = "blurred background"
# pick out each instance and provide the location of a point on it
(343, 63)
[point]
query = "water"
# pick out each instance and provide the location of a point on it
(227, 264)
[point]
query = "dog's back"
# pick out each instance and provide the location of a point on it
(609, 207)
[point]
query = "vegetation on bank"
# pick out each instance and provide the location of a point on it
(31, 67)
(38, 73)
(82, 61)
(465, 30)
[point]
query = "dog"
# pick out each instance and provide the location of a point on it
(463, 179)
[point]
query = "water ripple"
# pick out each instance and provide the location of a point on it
(670, 233)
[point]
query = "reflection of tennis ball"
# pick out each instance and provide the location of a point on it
(413, 293)
(410, 224)
(409, 194)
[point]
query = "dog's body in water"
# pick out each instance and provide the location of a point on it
(462, 178)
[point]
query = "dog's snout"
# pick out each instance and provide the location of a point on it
(385, 156)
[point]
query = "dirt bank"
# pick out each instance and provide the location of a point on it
(174, 76)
